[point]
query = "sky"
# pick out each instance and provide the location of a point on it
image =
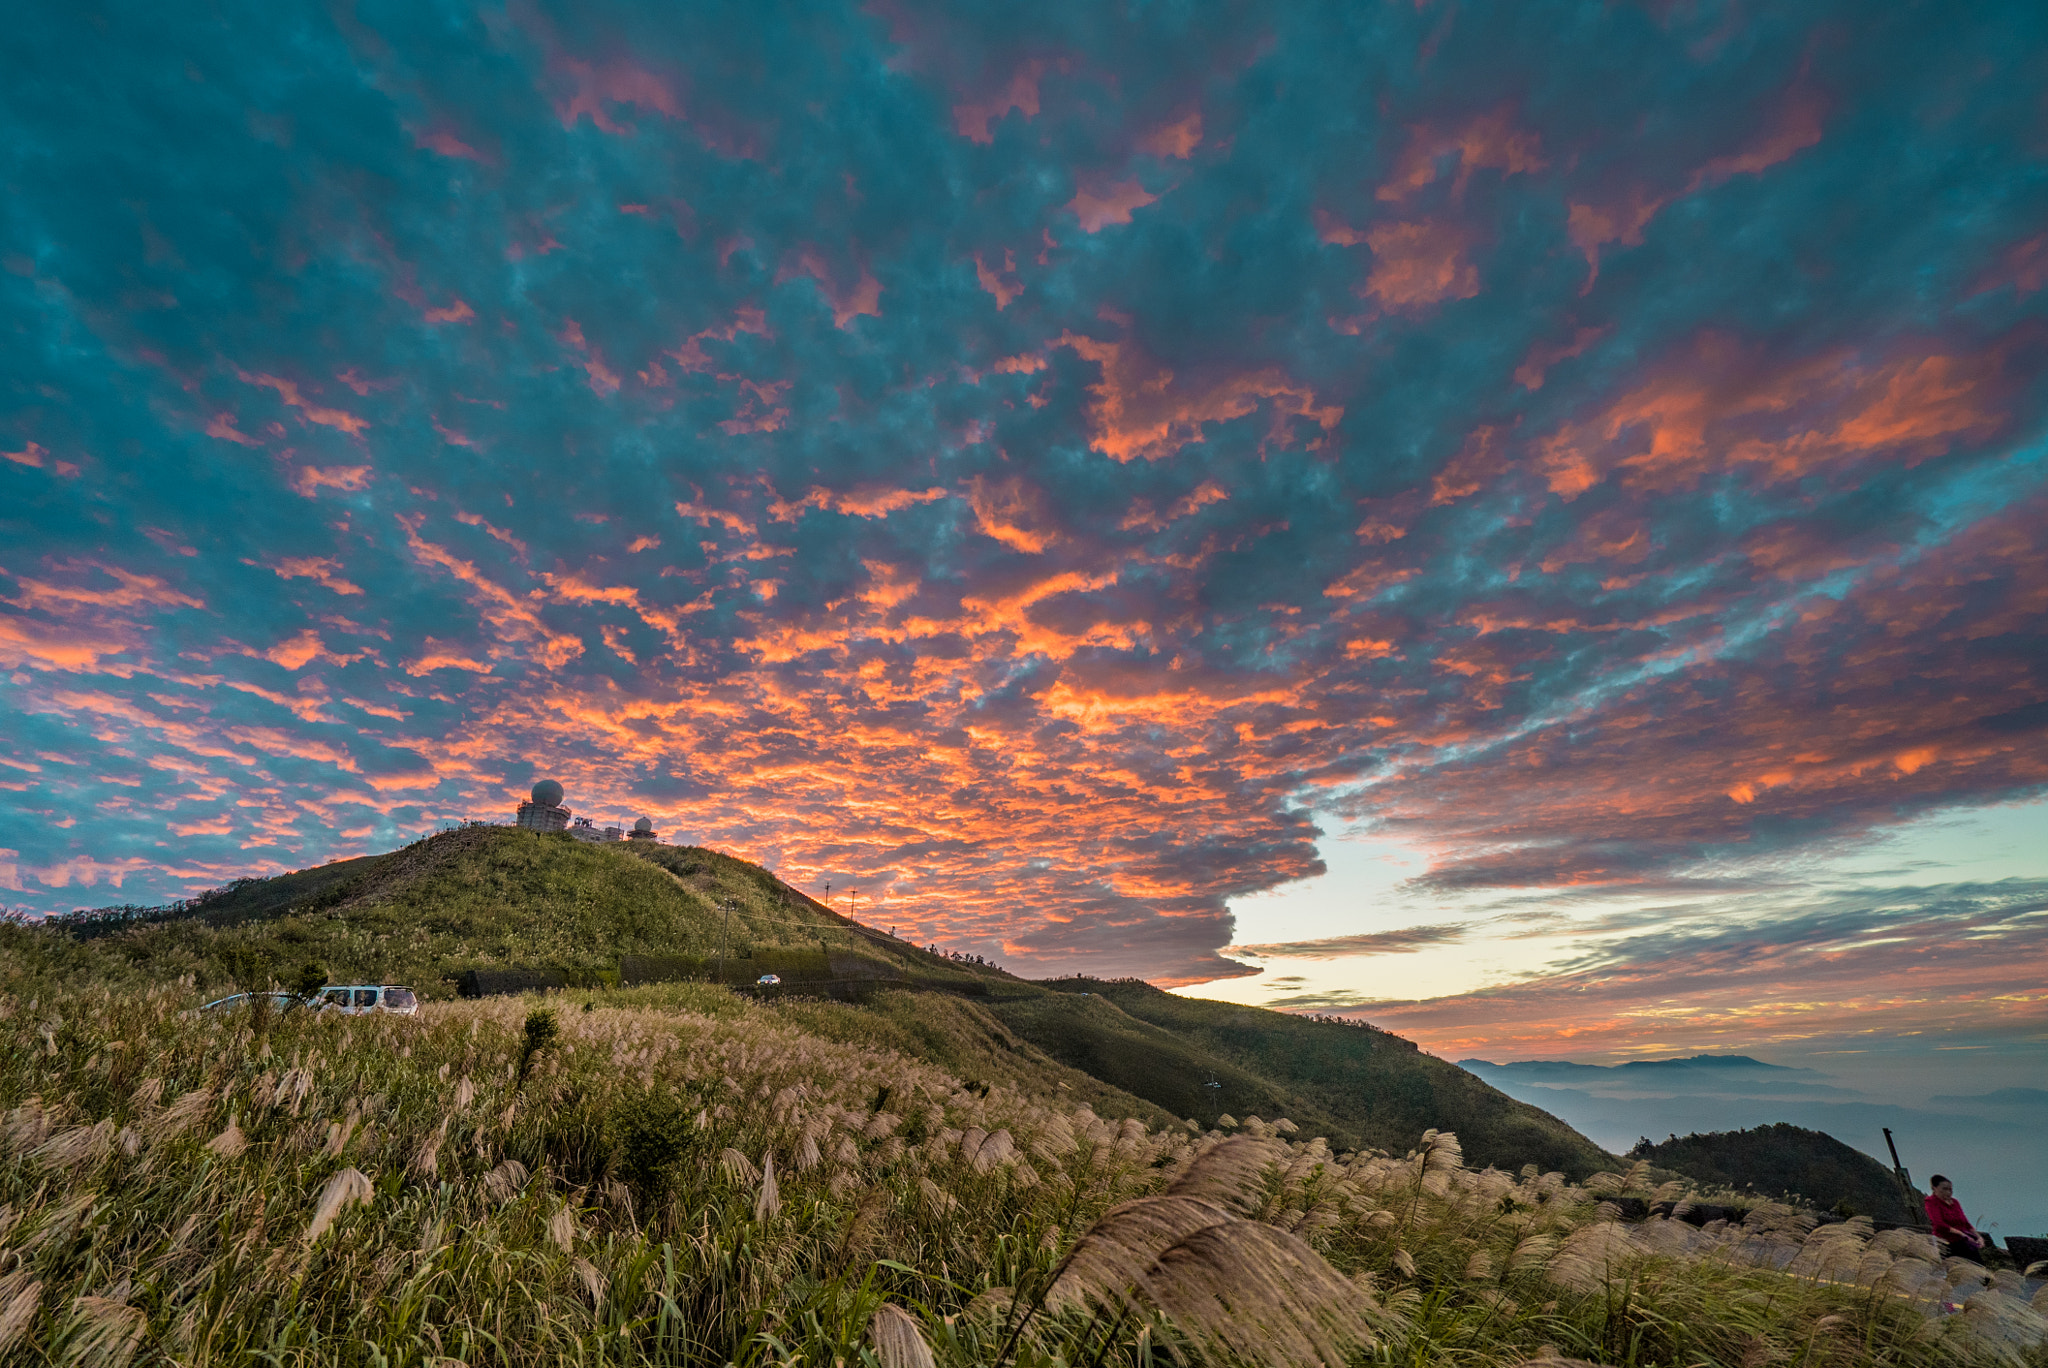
(1085, 476)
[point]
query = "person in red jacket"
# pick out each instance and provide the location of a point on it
(1958, 1237)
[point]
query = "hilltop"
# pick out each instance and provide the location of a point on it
(604, 916)
(1785, 1161)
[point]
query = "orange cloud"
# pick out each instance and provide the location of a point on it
(1105, 203)
(761, 408)
(1002, 284)
(1487, 140)
(222, 425)
(1012, 512)
(298, 651)
(1140, 409)
(308, 481)
(1717, 406)
(322, 570)
(1416, 265)
(848, 301)
(441, 656)
(515, 620)
(1536, 365)
(1178, 139)
(288, 391)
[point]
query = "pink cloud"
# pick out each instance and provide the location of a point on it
(320, 569)
(288, 391)
(308, 481)
(1178, 139)
(594, 85)
(971, 118)
(1097, 207)
(1419, 264)
(223, 427)
(444, 140)
(1002, 284)
(1489, 140)
(863, 296)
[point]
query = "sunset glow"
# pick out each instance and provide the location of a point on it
(1047, 470)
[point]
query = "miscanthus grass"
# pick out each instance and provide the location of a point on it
(686, 1179)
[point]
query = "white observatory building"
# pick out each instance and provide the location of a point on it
(545, 812)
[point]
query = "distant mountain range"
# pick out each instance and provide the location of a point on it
(1564, 1069)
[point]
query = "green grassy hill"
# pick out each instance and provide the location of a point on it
(495, 897)
(1359, 1086)
(1785, 1161)
(484, 897)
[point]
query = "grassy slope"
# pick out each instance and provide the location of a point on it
(495, 896)
(489, 896)
(177, 1188)
(1360, 1087)
(1785, 1160)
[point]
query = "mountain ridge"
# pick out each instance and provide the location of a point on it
(496, 897)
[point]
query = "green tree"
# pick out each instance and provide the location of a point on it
(312, 978)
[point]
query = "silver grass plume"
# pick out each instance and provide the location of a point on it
(426, 1160)
(769, 1202)
(897, 1339)
(1123, 1245)
(593, 1281)
(562, 1228)
(1227, 1173)
(82, 1147)
(230, 1143)
(178, 1116)
(19, 1295)
(502, 1183)
(738, 1167)
(343, 1190)
(1245, 1290)
(27, 1125)
(1584, 1260)
(108, 1331)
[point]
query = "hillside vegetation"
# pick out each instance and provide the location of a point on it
(677, 1175)
(478, 897)
(1788, 1163)
(897, 1160)
(482, 897)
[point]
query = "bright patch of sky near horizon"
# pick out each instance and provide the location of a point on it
(1371, 889)
(1045, 468)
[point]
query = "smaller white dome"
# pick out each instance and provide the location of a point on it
(643, 825)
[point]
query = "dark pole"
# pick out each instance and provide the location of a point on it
(1899, 1172)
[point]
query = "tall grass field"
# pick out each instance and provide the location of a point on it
(677, 1175)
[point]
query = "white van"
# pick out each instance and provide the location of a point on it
(355, 999)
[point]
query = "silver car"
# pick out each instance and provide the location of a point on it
(356, 999)
(279, 1002)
